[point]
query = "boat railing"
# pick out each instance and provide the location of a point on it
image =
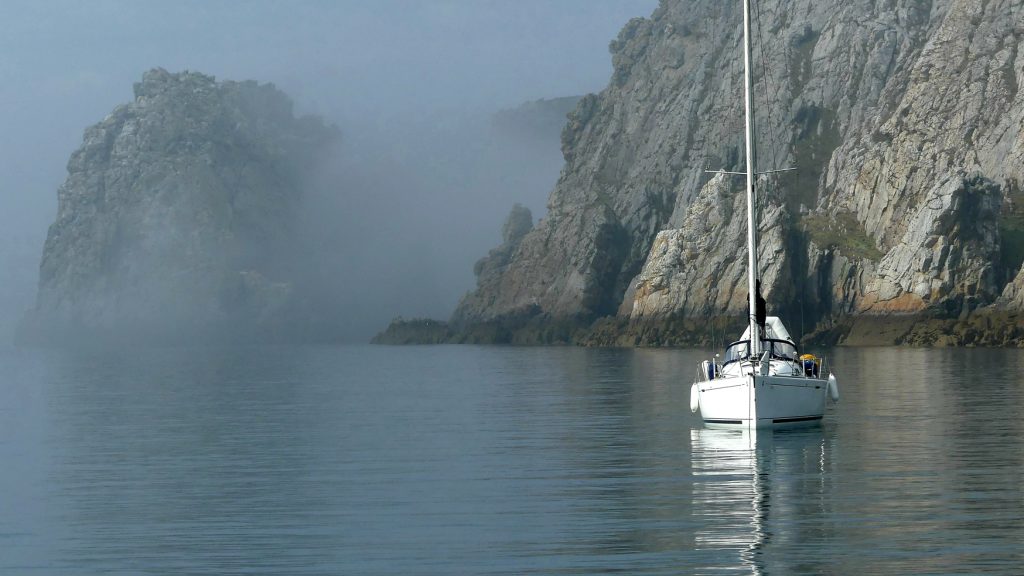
(817, 368)
(819, 372)
(705, 375)
(825, 369)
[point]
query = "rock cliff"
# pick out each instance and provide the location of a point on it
(489, 268)
(700, 269)
(174, 219)
(905, 122)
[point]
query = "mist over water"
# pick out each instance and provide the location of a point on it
(417, 200)
(421, 187)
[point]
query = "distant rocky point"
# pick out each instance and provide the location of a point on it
(174, 222)
(902, 225)
(537, 119)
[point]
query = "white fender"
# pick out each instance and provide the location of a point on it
(694, 398)
(833, 388)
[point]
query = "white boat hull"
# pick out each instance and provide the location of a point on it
(756, 401)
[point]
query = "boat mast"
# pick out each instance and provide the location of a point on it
(755, 340)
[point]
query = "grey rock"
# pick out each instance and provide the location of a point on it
(903, 118)
(173, 210)
(517, 225)
(700, 269)
(947, 253)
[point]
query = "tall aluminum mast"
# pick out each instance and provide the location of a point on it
(755, 340)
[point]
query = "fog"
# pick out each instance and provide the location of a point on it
(394, 228)
(420, 188)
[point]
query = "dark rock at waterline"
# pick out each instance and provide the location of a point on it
(989, 328)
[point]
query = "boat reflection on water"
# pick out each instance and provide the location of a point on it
(759, 492)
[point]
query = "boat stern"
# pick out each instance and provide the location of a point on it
(756, 401)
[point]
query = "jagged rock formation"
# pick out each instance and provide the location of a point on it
(905, 122)
(473, 305)
(175, 214)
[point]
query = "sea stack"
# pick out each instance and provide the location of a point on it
(175, 219)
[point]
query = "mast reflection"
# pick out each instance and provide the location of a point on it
(746, 482)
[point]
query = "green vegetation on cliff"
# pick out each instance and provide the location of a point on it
(842, 232)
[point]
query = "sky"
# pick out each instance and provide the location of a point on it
(411, 84)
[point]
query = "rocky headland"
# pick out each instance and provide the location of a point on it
(534, 120)
(904, 223)
(174, 222)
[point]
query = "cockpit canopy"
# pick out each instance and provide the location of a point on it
(774, 330)
(777, 339)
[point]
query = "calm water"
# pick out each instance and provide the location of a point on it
(491, 460)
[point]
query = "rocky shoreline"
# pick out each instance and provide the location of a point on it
(983, 329)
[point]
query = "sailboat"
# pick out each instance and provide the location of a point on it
(763, 381)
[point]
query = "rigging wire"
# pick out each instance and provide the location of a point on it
(712, 64)
(767, 98)
(767, 80)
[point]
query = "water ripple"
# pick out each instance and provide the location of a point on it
(492, 460)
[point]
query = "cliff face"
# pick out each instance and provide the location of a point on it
(175, 213)
(489, 268)
(905, 123)
(700, 269)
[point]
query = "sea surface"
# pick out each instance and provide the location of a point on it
(498, 460)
